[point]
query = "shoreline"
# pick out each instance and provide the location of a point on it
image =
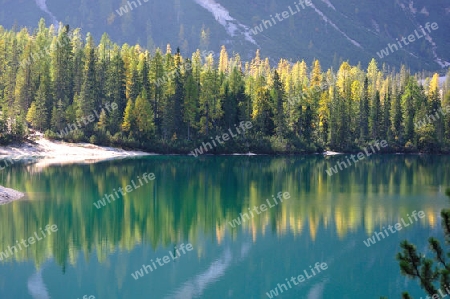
(43, 152)
(46, 152)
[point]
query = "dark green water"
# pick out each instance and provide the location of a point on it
(95, 251)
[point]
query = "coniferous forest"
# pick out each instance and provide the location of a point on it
(71, 88)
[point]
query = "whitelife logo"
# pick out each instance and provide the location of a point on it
(124, 9)
(31, 240)
(429, 119)
(108, 197)
(243, 125)
(397, 227)
(140, 273)
(330, 171)
(442, 295)
(411, 39)
(318, 266)
(285, 14)
(90, 118)
(263, 207)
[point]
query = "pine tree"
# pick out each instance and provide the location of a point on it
(409, 99)
(88, 93)
(376, 117)
(223, 60)
(386, 133)
(31, 114)
(129, 119)
(78, 66)
(277, 95)
(57, 120)
(210, 106)
(308, 124)
(116, 91)
(144, 117)
(178, 96)
(229, 105)
(397, 118)
(434, 101)
(191, 93)
(102, 123)
(62, 67)
(25, 85)
(158, 77)
(42, 114)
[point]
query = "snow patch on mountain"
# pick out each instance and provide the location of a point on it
(43, 6)
(222, 16)
(443, 63)
(438, 59)
(326, 19)
(375, 25)
(412, 9)
(327, 2)
(425, 11)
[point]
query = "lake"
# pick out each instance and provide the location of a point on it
(178, 236)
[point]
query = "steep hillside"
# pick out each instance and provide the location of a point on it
(329, 30)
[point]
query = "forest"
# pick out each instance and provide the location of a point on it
(54, 80)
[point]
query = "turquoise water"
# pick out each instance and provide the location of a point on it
(192, 201)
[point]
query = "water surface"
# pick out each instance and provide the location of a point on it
(192, 200)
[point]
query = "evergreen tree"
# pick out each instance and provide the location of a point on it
(129, 119)
(158, 75)
(62, 66)
(31, 115)
(116, 91)
(386, 133)
(229, 105)
(40, 121)
(376, 117)
(88, 94)
(397, 119)
(190, 103)
(144, 118)
(57, 120)
(277, 95)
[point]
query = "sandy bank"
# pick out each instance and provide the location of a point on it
(48, 152)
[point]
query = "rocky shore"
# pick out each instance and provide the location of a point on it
(8, 195)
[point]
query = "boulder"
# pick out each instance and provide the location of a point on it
(8, 195)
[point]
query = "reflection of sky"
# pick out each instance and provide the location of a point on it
(36, 286)
(316, 291)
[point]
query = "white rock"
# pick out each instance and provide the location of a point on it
(7, 195)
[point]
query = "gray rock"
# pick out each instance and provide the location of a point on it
(8, 195)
